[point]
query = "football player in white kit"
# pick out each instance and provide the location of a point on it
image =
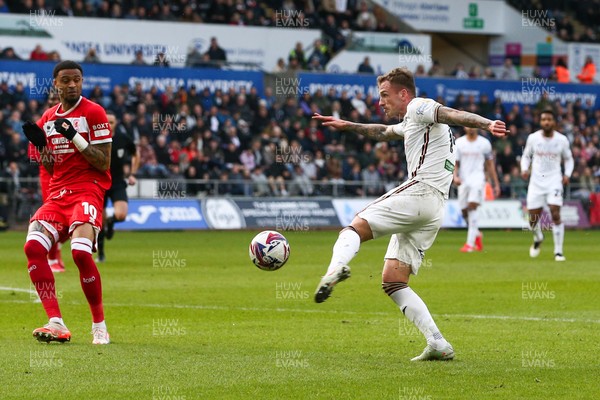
(412, 212)
(473, 154)
(544, 151)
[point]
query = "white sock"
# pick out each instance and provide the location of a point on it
(558, 231)
(101, 325)
(416, 311)
(538, 236)
(344, 249)
(58, 321)
(473, 229)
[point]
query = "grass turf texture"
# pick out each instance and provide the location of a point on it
(190, 317)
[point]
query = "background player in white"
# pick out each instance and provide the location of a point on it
(412, 213)
(473, 154)
(544, 151)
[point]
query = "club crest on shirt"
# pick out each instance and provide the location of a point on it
(120, 153)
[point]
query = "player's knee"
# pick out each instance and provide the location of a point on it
(120, 215)
(37, 244)
(395, 271)
(81, 249)
(36, 248)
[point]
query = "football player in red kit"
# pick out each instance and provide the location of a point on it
(74, 140)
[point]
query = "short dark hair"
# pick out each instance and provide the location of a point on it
(67, 64)
(401, 77)
(548, 111)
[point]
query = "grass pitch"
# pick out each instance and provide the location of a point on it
(191, 318)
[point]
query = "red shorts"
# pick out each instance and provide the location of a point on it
(64, 210)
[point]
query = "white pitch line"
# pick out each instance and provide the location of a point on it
(380, 313)
(313, 311)
(12, 289)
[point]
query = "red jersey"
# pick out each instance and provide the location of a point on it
(34, 155)
(71, 170)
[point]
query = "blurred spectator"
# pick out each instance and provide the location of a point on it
(365, 67)
(459, 72)
(488, 73)
(561, 72)
(366, 20)
(260, 182)
(54, 56)
(588, 72)
(297, 54)
(38, 54)
(139, 58)
(372, 181)
(331, 30)
(475, 72)
(149, 166)
(509, 71)
(161, 60)
(215, 52)
(320, 52)
(419, 71)
(436, 69)
(91, 56)
(9, 54)
(280, 66)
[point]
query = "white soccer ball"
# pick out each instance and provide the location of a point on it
(269, 250)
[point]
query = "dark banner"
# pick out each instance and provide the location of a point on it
(288, 215)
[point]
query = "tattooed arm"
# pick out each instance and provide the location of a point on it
(450, 116)
(98, 155)
(374, 131)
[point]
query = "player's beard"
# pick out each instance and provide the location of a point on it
(548, 132)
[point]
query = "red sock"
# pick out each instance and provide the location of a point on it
(36, 250)
(81, 248)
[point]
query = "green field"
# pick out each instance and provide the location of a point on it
(191, 318)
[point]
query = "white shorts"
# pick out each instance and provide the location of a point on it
(413, 214)
(470, 193)
(538, 197)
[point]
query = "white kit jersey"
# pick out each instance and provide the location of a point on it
(544, 155)
(472, 157)
(429, 145)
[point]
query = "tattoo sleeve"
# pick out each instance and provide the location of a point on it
(98, 155)
(450, 116)
(375, 131)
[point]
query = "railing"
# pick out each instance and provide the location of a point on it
(19, 200)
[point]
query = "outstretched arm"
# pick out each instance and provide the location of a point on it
(378, 132)
(450, 116)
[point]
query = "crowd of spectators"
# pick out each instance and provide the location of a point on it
(569, 20)
(274, 146)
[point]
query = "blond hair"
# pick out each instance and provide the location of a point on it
(401, 77)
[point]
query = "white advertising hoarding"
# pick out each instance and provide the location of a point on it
(492, 214)
(385, 51)
(116, 41)
(464, 16)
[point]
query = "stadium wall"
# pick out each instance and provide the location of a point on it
(300, 214)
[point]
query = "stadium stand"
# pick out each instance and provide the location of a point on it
(196, 134)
